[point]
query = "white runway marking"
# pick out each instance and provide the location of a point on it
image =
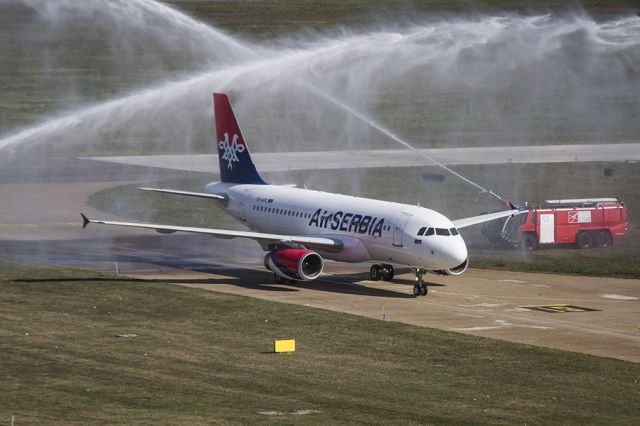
(619, 297)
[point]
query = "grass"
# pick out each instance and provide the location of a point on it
(268, 18)
(534, 183)
(203, 357)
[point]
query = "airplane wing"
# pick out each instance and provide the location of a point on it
(319, 242)
(187, 193)
(463, 223)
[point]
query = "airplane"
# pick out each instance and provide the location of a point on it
(299, 228)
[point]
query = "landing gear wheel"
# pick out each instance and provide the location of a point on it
(584, 240)
(387, 272)
(603, 239)
(420, 289)
(417, 290)
(376, 272)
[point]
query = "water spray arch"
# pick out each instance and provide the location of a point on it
(464, 53)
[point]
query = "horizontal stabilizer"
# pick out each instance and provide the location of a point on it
(186, 193)
(85, 220)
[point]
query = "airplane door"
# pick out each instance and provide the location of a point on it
(547, 228)
(398, 229)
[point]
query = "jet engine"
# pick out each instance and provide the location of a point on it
(294, 263)
(456, 270)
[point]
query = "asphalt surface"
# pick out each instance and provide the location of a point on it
(40, 222)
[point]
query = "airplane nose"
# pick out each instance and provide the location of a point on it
(455, 253)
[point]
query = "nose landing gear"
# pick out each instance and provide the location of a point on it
(420, 289)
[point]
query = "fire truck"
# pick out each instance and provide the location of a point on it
(584, 223)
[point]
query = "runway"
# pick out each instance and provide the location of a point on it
(287, 161)
(42, 224)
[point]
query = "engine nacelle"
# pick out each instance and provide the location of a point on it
(295, 263)
(456, 270)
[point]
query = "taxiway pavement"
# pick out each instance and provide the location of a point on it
(287, 161)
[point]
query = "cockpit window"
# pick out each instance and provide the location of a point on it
(454, 231)
(421, 231)
(429, 232)
(442, 231)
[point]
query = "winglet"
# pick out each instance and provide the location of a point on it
(85, 220)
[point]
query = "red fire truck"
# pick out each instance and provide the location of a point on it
(593, 222)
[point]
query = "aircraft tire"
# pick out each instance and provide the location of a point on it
(424, 290)
(388, 273)
(375, 272)
(416, 290)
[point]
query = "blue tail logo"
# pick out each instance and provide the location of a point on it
(236, 165)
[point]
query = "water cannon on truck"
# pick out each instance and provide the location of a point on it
(582, 223)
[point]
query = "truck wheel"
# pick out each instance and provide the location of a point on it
(603, 239)
(584, 240)
(529, 242)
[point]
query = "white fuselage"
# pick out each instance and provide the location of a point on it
(370, 230)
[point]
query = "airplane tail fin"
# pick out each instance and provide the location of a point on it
(236, 165)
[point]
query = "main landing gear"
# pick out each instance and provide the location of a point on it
(381, 272)
(280, 280)
(420, 289)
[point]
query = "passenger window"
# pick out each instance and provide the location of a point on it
(454, 231)
(421, 231)
(442, 231)
(429, 232)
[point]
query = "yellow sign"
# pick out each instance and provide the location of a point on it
(284, 346)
